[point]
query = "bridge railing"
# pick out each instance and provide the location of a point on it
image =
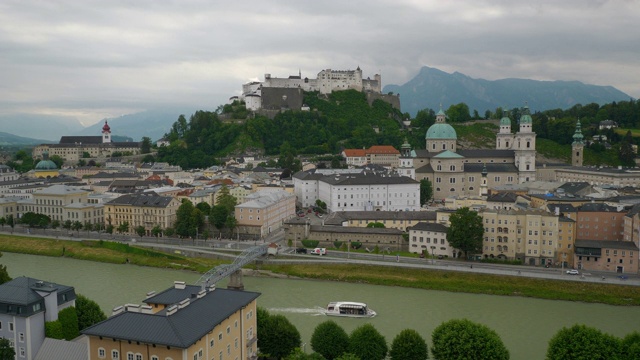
(220, 272)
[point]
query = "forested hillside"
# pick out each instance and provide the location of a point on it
(344, 119)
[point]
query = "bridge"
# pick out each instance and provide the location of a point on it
(233, 270)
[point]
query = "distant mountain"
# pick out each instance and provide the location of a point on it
(432, 87)
(7, 139)
(151, 123)
(38, 126)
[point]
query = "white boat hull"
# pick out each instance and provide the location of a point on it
(349, 309)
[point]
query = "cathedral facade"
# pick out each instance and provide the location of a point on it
(468, 173)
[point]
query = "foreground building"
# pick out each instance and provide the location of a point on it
(181, 323)
(25, 305)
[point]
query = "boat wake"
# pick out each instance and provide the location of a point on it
(317, 311)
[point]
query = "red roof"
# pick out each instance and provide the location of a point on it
(354, 153)
(382, 149)
(106, 126)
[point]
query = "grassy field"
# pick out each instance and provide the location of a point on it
(111, 252)
(102, 251)
(623, 132)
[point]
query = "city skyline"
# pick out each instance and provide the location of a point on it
(93, 60)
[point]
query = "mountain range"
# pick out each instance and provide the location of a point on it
(433, 88)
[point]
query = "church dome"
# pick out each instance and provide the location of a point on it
(526, 116)
(46, 165)
(505, 121)
(441, 131)
(106, 126)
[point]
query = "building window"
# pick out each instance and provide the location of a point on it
(101, 353)
(115, 355)
(129, 356)
(220, 336)
(10, 326)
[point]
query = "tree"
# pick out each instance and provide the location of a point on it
(218, 216)
(109, 229)
(329, 340)
(145, 145)
(140, 230)
(68, 319)
(4, 274)
(6, 350)
(625, 153)
(465, 231)
(463, 339)
(204, 207)
(156, 231)
(183, 218)
(87, 226)
(3, 221)
(88, 311)
(630, 347)
(375, 224)
(280, 338)
(10, 221)
(366, 342)
(298, 354)
(53, 329)
(76, 226)
(57, 160)
(348, 356)
(409, 345)
(124, 227)
(426, 191)
(582, 342)
(55, 224)
(224, 198)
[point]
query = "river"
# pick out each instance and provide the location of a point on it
(525, 325)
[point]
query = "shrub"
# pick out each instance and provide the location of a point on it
(53, 329)
(310, 243)
(356, 245)
(338, 244)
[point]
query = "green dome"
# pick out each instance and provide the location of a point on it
(505, 121)
(441, 131)
(526, 116)
(46, 165)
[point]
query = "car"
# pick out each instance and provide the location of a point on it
(573, 272)
(319, 251)
(301, 251)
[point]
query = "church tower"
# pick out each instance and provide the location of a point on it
(484, 191)
(106, 133)
(504, 138)
(577, 147)
(406, 167)
(525, 148)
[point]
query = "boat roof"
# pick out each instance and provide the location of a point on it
(347, 303)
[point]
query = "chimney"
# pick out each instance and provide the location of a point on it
(182, 304)
(179, 284)
(211, 287)
(171, 310)
(557, 212)
(150, 294)
(117, 310)
(132, 307)
(146, 309)
(201, 294)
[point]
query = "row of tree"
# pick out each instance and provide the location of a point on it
(451, 340)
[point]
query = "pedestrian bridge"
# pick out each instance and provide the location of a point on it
(233, 270)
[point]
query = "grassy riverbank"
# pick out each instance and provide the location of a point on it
(102, 251)
(117, 253)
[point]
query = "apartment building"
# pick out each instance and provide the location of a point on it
(401, 220)
(264, 212)
(179, 323)
(566, 241)
(142, 209)
(603, 255)
(431, 239)
(600, 222)
(62, 203)
(25, 305)
(526, 235)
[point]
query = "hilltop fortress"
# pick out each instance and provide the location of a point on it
(276, 93)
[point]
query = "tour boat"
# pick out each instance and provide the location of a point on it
(349, 309)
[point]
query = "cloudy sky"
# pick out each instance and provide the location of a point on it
(95, 59)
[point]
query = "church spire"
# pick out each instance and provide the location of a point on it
(578, 138)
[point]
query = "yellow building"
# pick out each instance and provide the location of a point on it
(143, 209)
(62, 203)
(264, 212)
(181, 323)
(566, 241)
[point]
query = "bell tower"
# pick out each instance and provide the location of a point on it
(106, 133)
(577, 147)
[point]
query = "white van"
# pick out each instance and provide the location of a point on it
(319, 251)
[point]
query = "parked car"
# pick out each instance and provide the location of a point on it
(301, 251)
(573, 272)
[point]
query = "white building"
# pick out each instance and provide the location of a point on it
(431, 239)
(358, 191)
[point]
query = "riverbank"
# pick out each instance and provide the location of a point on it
(112, 252)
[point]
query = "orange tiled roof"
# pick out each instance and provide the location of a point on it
(382, 149)
(354, 152)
